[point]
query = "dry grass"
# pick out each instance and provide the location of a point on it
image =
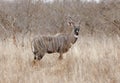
(94, 58)
(90, 60)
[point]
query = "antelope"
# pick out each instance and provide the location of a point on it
(55, 44)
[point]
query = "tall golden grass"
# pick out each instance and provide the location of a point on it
(94, 58)
(90, 60)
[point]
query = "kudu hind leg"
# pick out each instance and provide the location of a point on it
(35, 55)
(40, 56)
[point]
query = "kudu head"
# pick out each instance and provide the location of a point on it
(76, 27)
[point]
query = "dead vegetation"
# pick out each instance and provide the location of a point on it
(95, 57)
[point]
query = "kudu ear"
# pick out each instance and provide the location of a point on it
(71, 23)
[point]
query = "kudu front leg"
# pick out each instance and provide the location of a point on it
(61, 56)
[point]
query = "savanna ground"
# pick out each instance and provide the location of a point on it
(94, 58)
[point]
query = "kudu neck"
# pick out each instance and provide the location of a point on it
(73, 37)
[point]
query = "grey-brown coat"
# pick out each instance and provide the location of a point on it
(54, 44)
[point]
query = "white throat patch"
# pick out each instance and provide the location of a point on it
(76, 36)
